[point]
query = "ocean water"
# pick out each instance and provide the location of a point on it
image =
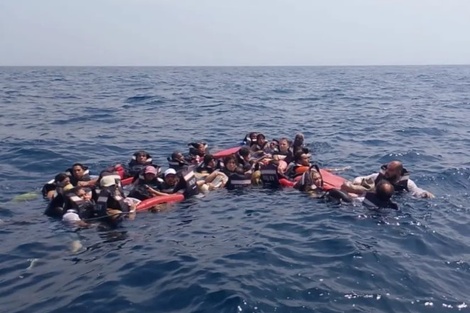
(257, 250)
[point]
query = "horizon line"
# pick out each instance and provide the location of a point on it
(333, 65)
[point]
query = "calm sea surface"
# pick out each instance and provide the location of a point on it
(258, 250)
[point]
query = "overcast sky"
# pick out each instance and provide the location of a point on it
(234, 32)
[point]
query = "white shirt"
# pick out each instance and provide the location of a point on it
(411, 185)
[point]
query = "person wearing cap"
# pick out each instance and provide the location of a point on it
(111, 202)
(147, 184)
(140, 159)
(170, 181)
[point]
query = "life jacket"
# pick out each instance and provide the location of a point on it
(371, 200)
(287, 156)
(269, 175)
(196, 156)
(400, 185)
(305, 183)
(247, 140)
(188, 183)
(298, 148)
(177, 164)
(164, 187)
(204, 168)
(55, 208)
(300, 170)
(237, 180)
(339, 196)
(135, 168)
(73, 180)
(84, 208)
(257, 147)
(139, 191)
(246, 165)
(109, 198)
(49, 186)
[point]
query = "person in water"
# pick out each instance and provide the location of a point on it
(298, 145)
(177, 161)
(80, 176)
(243, 159)
(311, 182)
(147, 184)
(261, 145)
(80, 207)
(301, 165)
(395, 174)
(56, 205)
(170, 181)
(237, 175)
(197, 151)
(140, 159)
(209, 165)
(382, 196)
(284, 152)
(112, 203)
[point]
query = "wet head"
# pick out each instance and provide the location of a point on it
(78, 170)
(303, 159)
(209, 160)
(316, 178)
(141, 157)
(245, 153)
(230, 163)
(394, 170)
(283, 145)
(260, 139)
(384, 190)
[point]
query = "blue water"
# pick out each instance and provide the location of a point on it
(252, 251)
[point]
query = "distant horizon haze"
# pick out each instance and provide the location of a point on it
(234, 33)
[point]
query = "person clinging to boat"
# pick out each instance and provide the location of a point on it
(177, 161)
(139, 160)
(111, 204)
(147, 184)
(80, 175)
(197, 151)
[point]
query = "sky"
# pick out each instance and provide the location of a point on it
(234, 32)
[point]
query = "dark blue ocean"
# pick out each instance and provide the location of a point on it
(258, 250)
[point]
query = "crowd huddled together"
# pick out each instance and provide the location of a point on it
(79, 198)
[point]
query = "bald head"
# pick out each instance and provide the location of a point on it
(395, 165)
(394, 170)
(384, 190)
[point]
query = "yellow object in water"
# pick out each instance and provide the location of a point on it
(26, 197)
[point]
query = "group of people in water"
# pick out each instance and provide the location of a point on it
(79, 198)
